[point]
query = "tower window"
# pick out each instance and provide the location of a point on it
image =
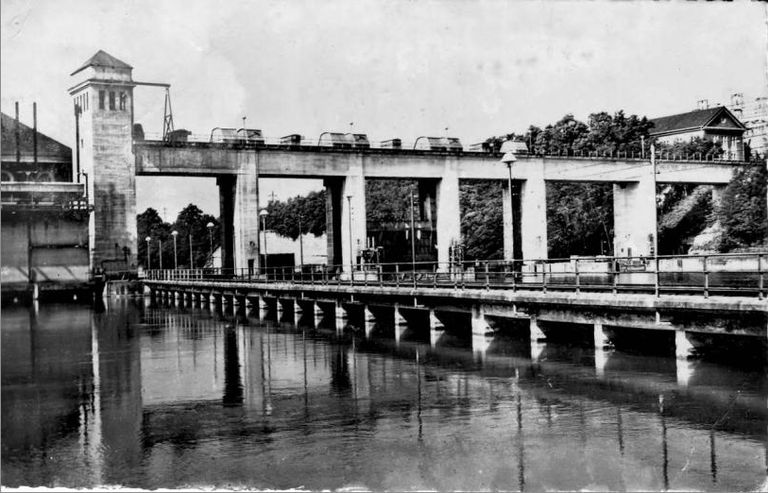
(111, 100)
(101, 100)
(123, 97)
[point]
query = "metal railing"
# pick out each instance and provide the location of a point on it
(741, 274)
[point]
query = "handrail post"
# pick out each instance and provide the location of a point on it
(461, 264)
(487, 277)
(380, 274)
(543, 276)
(397, 275)
(514, 276)
(434, 276)
(657, 282)
(706, 276)
(614, 275)
(761, 276)
(576, 269)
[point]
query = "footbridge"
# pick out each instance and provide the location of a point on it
(689, 302)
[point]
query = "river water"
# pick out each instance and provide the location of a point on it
(155, 397)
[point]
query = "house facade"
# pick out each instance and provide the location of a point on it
(717, 124)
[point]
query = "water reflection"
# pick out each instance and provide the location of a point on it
(156, 397)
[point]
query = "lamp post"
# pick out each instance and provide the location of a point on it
(351, 257)
(210, 241)
(509, 159)
(191, 256)
(263, 215)
(301, 245)
(175, 233)
(149, 259)
(413, 241)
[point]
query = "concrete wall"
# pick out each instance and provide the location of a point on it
(54, 247)
(157, 159)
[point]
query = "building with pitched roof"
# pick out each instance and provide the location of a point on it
(44, 216)
(717, 124)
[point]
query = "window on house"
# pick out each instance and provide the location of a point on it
(123, 97)
(101, 100)
(111, 100)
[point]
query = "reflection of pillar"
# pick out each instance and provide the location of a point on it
(480, 324)
(233, 386)
(340, 315)
(448, 211)
(538, 338)
(683, 347)
(634, 216)
(317, 313)
(436, 328)
(536, 333)
(601, 337)
(227, 192)
(533, 212)
(369, 321)
(684, 369)
(279, 308)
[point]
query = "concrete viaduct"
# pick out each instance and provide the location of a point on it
(109, 154)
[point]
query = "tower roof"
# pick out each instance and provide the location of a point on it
(103, 59)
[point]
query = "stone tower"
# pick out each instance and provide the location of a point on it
(103, 99)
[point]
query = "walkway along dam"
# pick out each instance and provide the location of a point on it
(671, 309)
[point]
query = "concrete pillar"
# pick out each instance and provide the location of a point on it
(106, 155)
(297, 307)
(340, 316)
(533, 211)
(634, 216)
(345, 216)
(227, 193)
(480, 325)
(536, 333)
(246, 214)
(601, 337)
(480, 345)
(317, 313)
(537, 339)
(448, 211)
(369, 321)
(508, 224)
(399, 319)
(435, 334)
(683, 347)
(279, 308)
(434, 322)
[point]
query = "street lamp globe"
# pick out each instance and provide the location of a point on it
(174, 233)
(147, 239)
(209, 225)
(508, 157)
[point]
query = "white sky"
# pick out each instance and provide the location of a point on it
(395, 68)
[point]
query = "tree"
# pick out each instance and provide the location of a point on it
(481, 220)
(742, 210)
(283, 217)
(191, 220)
(579, 219)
